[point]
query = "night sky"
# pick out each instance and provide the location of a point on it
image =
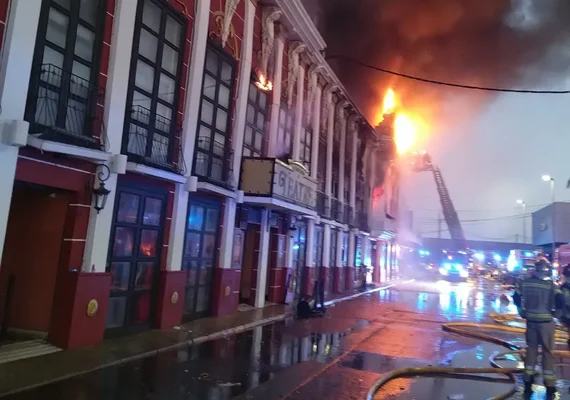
(492, 148)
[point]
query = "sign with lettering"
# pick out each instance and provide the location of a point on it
(293, 186)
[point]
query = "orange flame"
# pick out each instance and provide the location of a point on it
(264, 84)
(389, 102)
(405, 133)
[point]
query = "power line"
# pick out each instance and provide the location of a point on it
(449, 84)
(488, 209)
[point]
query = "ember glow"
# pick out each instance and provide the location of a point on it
(264, 84)
(389, 102)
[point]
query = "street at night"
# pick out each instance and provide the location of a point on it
(338, 356)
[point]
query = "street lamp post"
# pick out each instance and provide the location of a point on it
(523, 205)
(548, 178)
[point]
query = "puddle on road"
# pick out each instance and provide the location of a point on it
(220, 369)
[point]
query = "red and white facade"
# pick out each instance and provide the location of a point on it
(238, 168)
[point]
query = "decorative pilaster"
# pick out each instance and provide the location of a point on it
(295, 50)
(229, 11)
(269, 16)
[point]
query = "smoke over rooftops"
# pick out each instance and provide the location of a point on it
(500, 43)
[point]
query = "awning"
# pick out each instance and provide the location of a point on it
(277, 204)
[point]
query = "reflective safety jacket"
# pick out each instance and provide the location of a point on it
(537, 299)
(565, 289)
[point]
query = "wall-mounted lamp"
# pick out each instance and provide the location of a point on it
(101, 193)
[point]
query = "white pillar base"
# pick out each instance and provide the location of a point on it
(8, 162)
(177, 229)
(262, 260)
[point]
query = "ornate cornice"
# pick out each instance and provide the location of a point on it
(229, 11)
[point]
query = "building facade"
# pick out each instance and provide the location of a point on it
(165, 160)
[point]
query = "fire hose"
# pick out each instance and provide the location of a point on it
(462, 328)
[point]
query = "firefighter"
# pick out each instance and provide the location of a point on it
(537, 297)
(565, 288)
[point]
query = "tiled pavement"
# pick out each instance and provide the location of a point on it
(15, 376)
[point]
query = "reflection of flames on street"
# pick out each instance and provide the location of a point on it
(407, 127)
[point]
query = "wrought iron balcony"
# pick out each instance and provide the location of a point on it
(213, 162)
(323, 205)
(66, 108)
(348, 217)
(362, 221)
(336, 209)
(154, 140)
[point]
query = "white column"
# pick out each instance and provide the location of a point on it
(327, 246)
(262, 262)
(226, 245)
(342, 151)
(309, 257)
(351, 248)
(339, 244)
(353, 150)
(316, 124)
(278, 47)
(17, 55)
(299, 114)
(191, 105)
(98, 231)
(330, 142)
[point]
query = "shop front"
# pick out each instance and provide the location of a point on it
(290, 194)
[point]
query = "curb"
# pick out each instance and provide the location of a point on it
(190, 342)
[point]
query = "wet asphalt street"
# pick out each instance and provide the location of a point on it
(336, 357)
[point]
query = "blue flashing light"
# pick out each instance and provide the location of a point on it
(480, 256)
(528, 254)
(447, 265)
(497, 257)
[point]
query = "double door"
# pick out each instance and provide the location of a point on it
(134, 258)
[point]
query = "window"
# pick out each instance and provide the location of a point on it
(306, 147)
(285, 132)
(62, 93)
(212, 140)
(333, 248)
(158, 48)
(322, 168)
(255, 122)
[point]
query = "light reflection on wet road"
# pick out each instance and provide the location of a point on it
(336, 357)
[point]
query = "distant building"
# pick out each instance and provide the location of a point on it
(542, 226)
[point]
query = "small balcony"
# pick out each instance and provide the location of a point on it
(323, 205)
(213, 162)
(362, 221)
(63, 107)
(336, 209)
(348, 217)
(158, 147)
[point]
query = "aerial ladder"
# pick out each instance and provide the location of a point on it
(422, 162)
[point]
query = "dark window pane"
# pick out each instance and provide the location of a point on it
(250, 114)
(209, 246)
(252, 94)
(191, 268)
(224, 96)
(116, 312)
(63, 3)
(212, 220)
(262, 100)
(152, 211)
(169, 59)
(151, 16)
(57, 27)
(248, 137)
(209, 87)
(173, 31)
(196, 217)
(192, 247)
(144, 77)
(166, 88)
(226, 72)
(143, 279)
(140, 308)
(120, 272)
(205, 273)
(189, 300)
(88, 11)
(203, 300)
(221, 120)
(124, 242)
(84, 43)
(148, 45)
(149, 239)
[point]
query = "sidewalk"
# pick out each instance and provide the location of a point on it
(25, 374)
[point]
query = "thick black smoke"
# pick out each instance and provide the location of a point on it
(498, 43)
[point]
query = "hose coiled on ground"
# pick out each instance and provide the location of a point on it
(462, 328)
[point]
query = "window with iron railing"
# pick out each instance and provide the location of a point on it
(152, 133)
(213, 154)
(64, 101)
(285, 131)
(333, 243)
(254, 135)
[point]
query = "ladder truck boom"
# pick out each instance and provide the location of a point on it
(423, 162)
